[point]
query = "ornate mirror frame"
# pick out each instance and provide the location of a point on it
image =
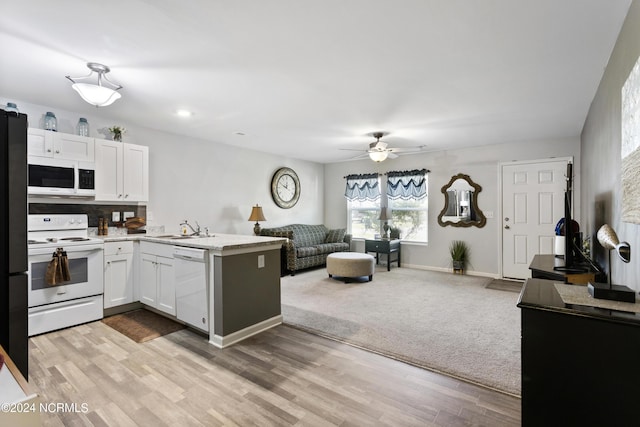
(479, 221)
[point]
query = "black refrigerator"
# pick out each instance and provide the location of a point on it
(13, 239)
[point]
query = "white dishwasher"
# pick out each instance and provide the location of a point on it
(192, 304)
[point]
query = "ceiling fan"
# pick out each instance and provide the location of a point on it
(379, 150)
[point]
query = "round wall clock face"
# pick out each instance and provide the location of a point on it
(285, 188)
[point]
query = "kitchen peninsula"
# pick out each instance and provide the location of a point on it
(240, 291)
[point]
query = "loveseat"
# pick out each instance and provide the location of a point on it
(308, 245)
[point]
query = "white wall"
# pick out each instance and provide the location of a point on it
(601, 137)
(482, 165)
(205, 181)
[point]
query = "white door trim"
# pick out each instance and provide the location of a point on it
(501, 166)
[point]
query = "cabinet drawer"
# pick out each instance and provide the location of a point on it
(117, 248)
(377, 246)
(160, 249)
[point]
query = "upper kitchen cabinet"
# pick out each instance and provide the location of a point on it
(59, 145)
(122, 172)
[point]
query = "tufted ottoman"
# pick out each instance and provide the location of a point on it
(351, 264)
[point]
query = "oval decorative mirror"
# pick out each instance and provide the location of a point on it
(461, 203)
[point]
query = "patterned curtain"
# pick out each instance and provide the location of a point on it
(362, 187)
(407, 185)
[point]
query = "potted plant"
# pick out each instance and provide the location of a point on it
(459, 252)
(117, 132)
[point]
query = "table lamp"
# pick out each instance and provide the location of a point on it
(256, 215)
(383, 217)
(608, 238)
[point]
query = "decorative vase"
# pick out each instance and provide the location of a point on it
(458, 266)
(117, 137)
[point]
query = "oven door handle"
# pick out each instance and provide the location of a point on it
(69, 249)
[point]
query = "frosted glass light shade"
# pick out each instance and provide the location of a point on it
(100, 96)
(378, 156)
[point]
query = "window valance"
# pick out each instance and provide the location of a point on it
(407, 184)
(362, 187)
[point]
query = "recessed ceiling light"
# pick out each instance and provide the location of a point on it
(184, 113)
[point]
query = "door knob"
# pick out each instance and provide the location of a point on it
(507, 227)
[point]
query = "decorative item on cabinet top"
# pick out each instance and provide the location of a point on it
(117, 132)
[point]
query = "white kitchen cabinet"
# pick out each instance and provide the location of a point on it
(118, 273)
(122, 172)
(43, 143)
(157, 278)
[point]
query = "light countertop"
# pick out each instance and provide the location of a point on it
(216, 242)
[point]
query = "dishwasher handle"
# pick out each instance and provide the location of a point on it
(190, 254)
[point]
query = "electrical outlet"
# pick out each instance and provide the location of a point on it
(488, 214)
(127, 215)
(260, 261)
(115, 216)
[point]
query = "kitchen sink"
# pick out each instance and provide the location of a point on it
(174, 237)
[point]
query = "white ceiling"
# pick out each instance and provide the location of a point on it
(307, 78)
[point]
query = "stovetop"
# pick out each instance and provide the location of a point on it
(59, 230)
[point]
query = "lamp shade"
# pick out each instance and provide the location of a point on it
(100, 96)
(378, 156)
(608, 238)
(256, 214)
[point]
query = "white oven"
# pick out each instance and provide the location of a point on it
(71, 302)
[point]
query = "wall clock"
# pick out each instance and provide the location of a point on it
(285, 188)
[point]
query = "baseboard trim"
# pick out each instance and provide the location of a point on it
(227, 340)
(448, 270)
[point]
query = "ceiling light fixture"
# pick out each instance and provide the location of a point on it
(97, 94)
(378, 156)
(184, 113)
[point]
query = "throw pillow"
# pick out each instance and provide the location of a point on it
(335, 236)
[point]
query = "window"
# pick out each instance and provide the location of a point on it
(363, 205)
(406, 196)
(408, 202)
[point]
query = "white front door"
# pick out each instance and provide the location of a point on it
(532, 205)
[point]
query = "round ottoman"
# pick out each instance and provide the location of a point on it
(351, 264)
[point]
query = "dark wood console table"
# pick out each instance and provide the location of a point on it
(542, 267)
(382, 246)
(579, 363)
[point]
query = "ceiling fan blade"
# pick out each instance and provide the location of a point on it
(351, 149)
(407, 149)
(390, 155)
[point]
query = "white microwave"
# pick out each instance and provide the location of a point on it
(55, 177)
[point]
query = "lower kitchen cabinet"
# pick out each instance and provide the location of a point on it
(157, 278)
(118, 273)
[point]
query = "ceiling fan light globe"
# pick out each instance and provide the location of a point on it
(99, 96)
(378, 156)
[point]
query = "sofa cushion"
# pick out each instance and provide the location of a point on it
(306, 251)
(327, 248)
(335, 235)
(308, 235)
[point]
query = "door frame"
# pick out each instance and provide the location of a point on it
(575, 194)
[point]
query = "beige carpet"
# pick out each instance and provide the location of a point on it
(444, 322)
(142, 325)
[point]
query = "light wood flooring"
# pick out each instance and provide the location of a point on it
(283, 376)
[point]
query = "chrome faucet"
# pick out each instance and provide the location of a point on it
(194, 231)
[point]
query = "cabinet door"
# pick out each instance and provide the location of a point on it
(166, 285)
(136, 173)
(73, 147)
(39, 143)
(118, 280)
(148, 279)
(109, 170)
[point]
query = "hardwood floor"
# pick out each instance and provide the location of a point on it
(283, 376)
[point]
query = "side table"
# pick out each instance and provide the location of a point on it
(382, 246)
